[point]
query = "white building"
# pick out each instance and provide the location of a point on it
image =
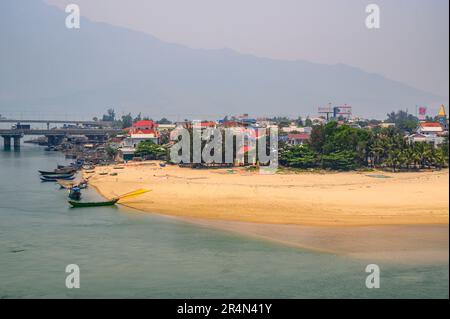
(428, 132)
(134, 139)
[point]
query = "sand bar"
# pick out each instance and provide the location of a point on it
(308, 199)
(401, 217)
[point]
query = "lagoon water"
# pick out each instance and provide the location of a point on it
(127, 254)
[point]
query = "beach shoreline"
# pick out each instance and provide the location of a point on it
(399, 234)
(308, 199)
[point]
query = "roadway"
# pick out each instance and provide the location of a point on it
(59, 132)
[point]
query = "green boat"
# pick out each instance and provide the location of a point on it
(93, 204)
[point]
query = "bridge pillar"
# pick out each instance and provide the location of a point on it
(6, 142)
(16, 139)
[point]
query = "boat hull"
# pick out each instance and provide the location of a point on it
(46, 179)
(58, 172)
(62, 176)
(93, 204)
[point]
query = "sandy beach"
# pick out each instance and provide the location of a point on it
(309, 199)
(401, 217)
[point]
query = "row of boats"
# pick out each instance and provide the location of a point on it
(60, 173)
(65, 177)
(55, 178)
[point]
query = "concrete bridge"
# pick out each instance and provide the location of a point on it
(48, 122)
(54, 136)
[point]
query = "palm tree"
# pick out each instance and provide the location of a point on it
(424, 154)
(439, 158)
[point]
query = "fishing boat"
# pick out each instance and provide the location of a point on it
(58, 171)
(93, 204)
(50, 179)
(61, 176)
(75, 193)
(109, 202)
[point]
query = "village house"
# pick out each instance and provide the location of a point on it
(429, 132)
(145, 130)
(430, 128)
(298, 138)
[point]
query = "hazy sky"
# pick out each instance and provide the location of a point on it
(412, 45)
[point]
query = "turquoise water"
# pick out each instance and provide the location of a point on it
(127, 254)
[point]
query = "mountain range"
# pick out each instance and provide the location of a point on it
(49, 69)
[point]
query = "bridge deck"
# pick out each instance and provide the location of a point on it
(99, 123)
(59, 132)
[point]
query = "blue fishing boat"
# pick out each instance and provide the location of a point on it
(51, 179)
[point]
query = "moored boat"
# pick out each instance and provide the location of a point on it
(51, 179)
(109, 202)
(75, 193)
(61, 176)
(93, 204)
(58, 171)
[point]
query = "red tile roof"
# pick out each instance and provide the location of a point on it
(143, 127)
(430, 124)
(208, 124)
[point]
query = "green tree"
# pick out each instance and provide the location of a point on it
(341, 160)
(150, 150)
(300, 156)
(403, 121)
(163, 121)
(111, 151)
(445, 149)
(127, 121)
(137, 118)
(110, 116)
(308, 122)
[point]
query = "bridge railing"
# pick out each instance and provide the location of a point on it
(59, 131)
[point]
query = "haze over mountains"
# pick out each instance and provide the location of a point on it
(49, 69)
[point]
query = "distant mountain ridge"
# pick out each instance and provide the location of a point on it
(50, 69)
